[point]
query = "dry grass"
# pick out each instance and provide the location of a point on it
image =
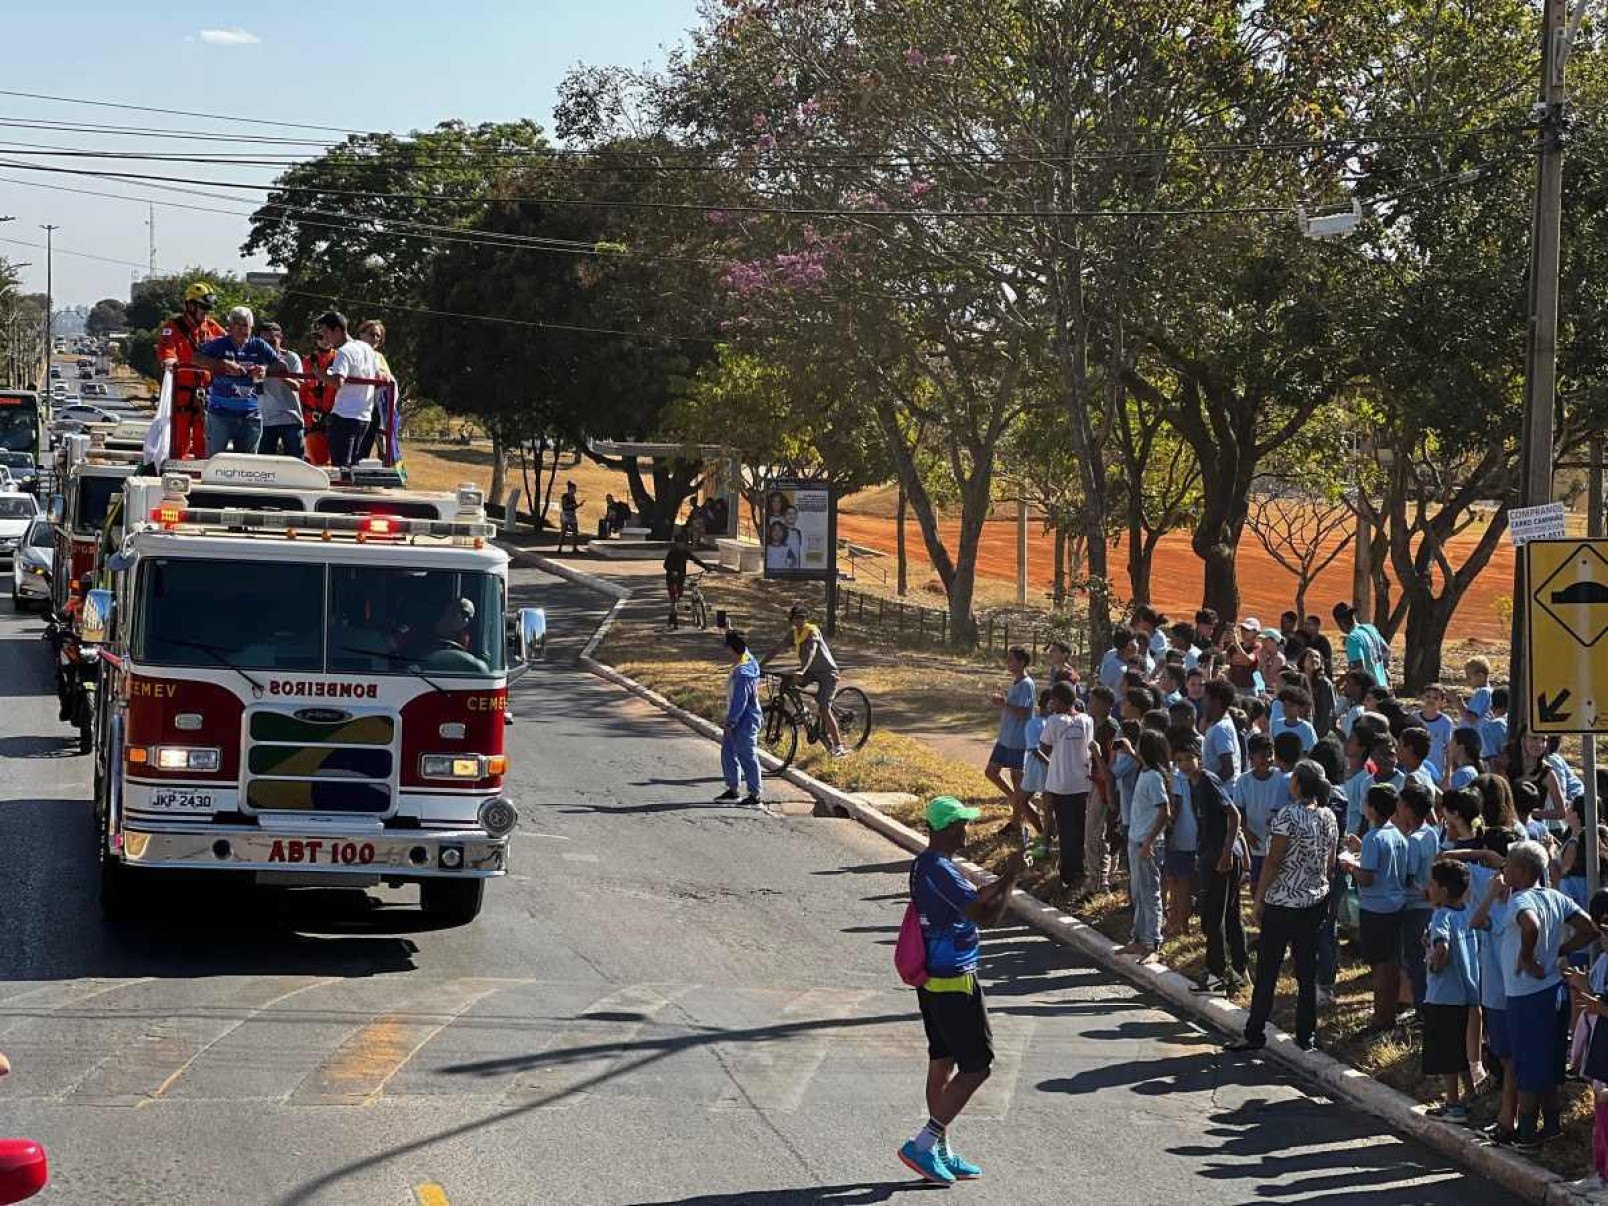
(931, 713)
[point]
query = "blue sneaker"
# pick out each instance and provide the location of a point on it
(956, 1163)
(928, 1165)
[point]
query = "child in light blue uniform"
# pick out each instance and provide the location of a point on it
(1034, 768)
(1453, 962)
(1258, 794)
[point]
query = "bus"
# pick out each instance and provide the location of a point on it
(22, 423)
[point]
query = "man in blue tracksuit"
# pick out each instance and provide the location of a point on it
(739, 740)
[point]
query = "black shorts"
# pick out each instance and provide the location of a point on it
(957, 1028)
(1379, 936)
(674, 580)
(1445, 1038)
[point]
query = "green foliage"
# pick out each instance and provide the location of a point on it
(105, 316)
(369, 255)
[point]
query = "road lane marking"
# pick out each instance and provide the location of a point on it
(553, 1083)
(357, 1072)
(173, 1077)
(58, 997)
(430, 1195)
(773, 1075)
(136, 1072)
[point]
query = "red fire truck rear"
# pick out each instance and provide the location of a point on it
(305, 683)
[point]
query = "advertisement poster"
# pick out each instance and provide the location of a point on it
(797, 529)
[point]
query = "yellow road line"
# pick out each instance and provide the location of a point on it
(430, 1195)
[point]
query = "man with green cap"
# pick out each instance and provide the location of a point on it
(960, 1044)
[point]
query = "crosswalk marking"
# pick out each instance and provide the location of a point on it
(773, 1075)
(138, 1072)
(357, 1072)
(557, 1082)
(50, 998)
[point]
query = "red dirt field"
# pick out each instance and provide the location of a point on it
(1266, 588)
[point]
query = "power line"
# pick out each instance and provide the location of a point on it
(392, 227)
(99, 104)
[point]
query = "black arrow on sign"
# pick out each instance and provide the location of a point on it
(1547, 709)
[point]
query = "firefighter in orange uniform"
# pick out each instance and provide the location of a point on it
(317, 399)
(176, 344)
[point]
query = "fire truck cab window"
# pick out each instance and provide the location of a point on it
(398, 621)
(94, 497)
(253, 615)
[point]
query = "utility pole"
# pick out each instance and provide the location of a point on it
(50, 230)
(1541, 376)
(150, 259)
(1588, 762)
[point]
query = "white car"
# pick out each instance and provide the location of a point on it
(30, 566)
(17, 512)
(83, 413)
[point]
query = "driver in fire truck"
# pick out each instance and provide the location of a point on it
(176, 345)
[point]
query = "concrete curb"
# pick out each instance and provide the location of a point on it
(1401, 1112)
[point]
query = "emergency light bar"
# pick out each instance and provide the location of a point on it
(170, 515)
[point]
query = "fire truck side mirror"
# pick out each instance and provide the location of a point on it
(96, 622)
(23, 1169)
(58, 508)
(530, 637)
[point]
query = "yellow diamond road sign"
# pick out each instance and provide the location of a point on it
(1567, 635)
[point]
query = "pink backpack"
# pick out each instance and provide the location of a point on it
(910, 952)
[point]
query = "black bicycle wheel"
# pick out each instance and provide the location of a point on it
(852, 711)
(779, 735)
(700, 613)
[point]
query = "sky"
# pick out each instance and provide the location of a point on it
(407, 65)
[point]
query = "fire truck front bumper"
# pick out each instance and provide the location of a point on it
(385, 854)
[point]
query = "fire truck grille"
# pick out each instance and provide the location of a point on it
(320, 760)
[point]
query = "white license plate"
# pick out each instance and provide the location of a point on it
(182, 801)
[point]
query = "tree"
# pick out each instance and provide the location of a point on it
(358, 228)
(1305, 532)
(106, 316)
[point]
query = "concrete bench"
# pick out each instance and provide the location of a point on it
(744, 556)
(636, 533)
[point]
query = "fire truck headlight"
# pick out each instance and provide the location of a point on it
(186, 757)
(498, 817)
(452, 766)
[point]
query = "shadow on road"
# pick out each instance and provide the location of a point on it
(818, 1195)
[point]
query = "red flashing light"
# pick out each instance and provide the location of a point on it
(167, 514)
(379, 525)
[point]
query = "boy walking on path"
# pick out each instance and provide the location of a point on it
(960, 1042)
(1015, 706)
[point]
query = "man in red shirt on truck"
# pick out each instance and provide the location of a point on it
(176, 345)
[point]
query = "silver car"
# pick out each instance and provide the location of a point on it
(30, 568)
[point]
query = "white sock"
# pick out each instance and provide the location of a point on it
(928, 1136)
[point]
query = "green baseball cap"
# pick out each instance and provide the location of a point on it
(946, 810)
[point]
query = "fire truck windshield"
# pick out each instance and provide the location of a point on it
(94, 497)
(271, 615)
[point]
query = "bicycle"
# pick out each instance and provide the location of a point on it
(695, 600)
(787, 711)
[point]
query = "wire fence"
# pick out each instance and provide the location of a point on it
(912, 625)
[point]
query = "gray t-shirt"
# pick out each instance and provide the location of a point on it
(281, 400)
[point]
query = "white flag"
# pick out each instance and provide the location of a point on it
(159, 439)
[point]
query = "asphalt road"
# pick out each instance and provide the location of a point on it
(667, 1001)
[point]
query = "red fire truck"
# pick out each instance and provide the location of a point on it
(305, 683)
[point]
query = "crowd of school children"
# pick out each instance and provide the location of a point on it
(1214, 759)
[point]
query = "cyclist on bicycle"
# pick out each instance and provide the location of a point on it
(815, 665)
(675, 569)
